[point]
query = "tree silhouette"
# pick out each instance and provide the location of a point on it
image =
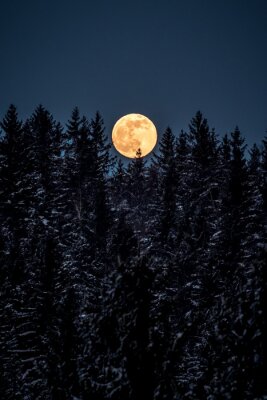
(127, 280)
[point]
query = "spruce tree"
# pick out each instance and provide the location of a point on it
(12, 207)
(101, 162)
(167, 186)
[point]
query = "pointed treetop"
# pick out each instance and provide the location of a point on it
(203, 141)
(138, 153)
(10, 120)
(237, 143)
(166, 147)
(199, 124)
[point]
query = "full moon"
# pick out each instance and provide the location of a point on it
(133, 132)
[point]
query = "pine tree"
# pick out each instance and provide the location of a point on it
(101, 163)
(203, 141)
(198, 205)
(166, 166)
(12, 205)
(183, 168)
(12, 217)
(37, 193)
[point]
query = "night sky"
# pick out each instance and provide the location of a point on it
(165, 59)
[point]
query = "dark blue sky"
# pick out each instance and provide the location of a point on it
(162, 58)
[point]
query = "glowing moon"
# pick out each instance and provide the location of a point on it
(133, 132)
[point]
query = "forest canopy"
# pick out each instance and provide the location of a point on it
(139, 281)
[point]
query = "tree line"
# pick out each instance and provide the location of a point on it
(145, 280)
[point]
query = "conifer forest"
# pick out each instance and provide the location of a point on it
(144, 280)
